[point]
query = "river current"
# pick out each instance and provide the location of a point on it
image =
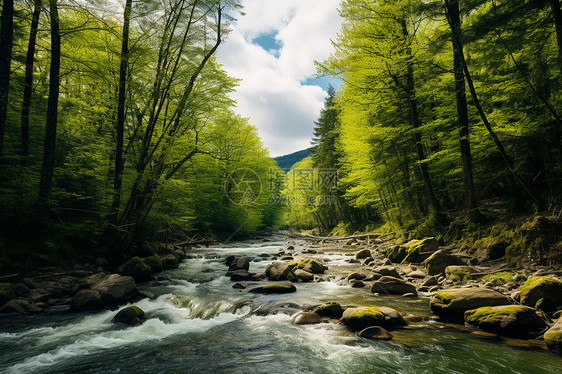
(198, 323)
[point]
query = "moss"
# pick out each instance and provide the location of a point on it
(304, 262)
(443, 297)
(459, 273)
(154, 262)
(138, 311)
(363, 318)
(293, 265)
(488, 314)
(499, 279)
(554, 337)
(542, 293)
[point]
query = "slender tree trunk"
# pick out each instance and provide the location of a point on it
(6, 43)
(453, 16)
(416, 123)
(48, 167)
(557, 16)
(28, 82)
(120, 126)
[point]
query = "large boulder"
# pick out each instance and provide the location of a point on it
(16, 306)
(419, 250)
(553, 337)
(154, 263)
(542, 293)
(387, 270)
(276, 288)
(115, 289)
(333, 310)
(137, 269)
(312, 265)
(452, 303)
(170, 262)
(394, 286)
(131, 315)
(364, 253)
(239, 263)
(6, 293)
(360, 318)
(459, 273)
(397, 253)
(304, 276)
(86, 300)
(438, 262)
(240, 275)
(376, 333)
(280, 271)
(306, 318)
(516, 321)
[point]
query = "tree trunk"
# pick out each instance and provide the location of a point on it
(48, 167)
(453, 16)
(6, 43)
(28, 83)
(557, 17)
(120, 126)
(415, 123)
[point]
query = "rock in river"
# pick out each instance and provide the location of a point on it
(363, 317)
(306, 318)
(136, 268)
(114, 289)
(453, 302)
(394, 286)
(276, 288)
(375, 332)
(280, 271)
(553, 337)
(131, 315)
(334, 310)
(517, 321)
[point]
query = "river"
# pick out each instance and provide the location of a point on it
(197, 323)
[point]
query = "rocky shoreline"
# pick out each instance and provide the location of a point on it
(481, 295)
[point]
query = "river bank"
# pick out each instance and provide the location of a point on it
(198, 298)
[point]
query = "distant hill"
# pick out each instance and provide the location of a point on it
(287, 161)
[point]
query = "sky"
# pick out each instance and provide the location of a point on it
(272, 49)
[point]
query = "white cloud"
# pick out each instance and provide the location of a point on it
(271, 93)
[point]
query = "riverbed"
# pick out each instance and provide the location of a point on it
(198, 323)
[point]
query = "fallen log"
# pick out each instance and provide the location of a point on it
(359, 236)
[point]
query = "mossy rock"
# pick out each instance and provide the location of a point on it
(170, 262)
(419, 250)
(131, 315)
(516, 321)
(312, 265)
(137, 269)
(154, 263)
(452, 303)
(276, 288)
(280, 271)
(6, 293)
(553, 337)
(459, 273)
(360, 318)
(499, 279)
(397, 253)
(439, 261)
(542, 293)
(334, 310)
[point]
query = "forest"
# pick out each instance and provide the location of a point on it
(117, 127)
(447, 119)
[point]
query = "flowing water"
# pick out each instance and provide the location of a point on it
(198, 323)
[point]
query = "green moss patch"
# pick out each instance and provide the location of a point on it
(363, 318)
(512, 320)
(542, 293)
(499, 279)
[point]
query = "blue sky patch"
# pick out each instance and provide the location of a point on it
(323, 82)
(268, 42)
